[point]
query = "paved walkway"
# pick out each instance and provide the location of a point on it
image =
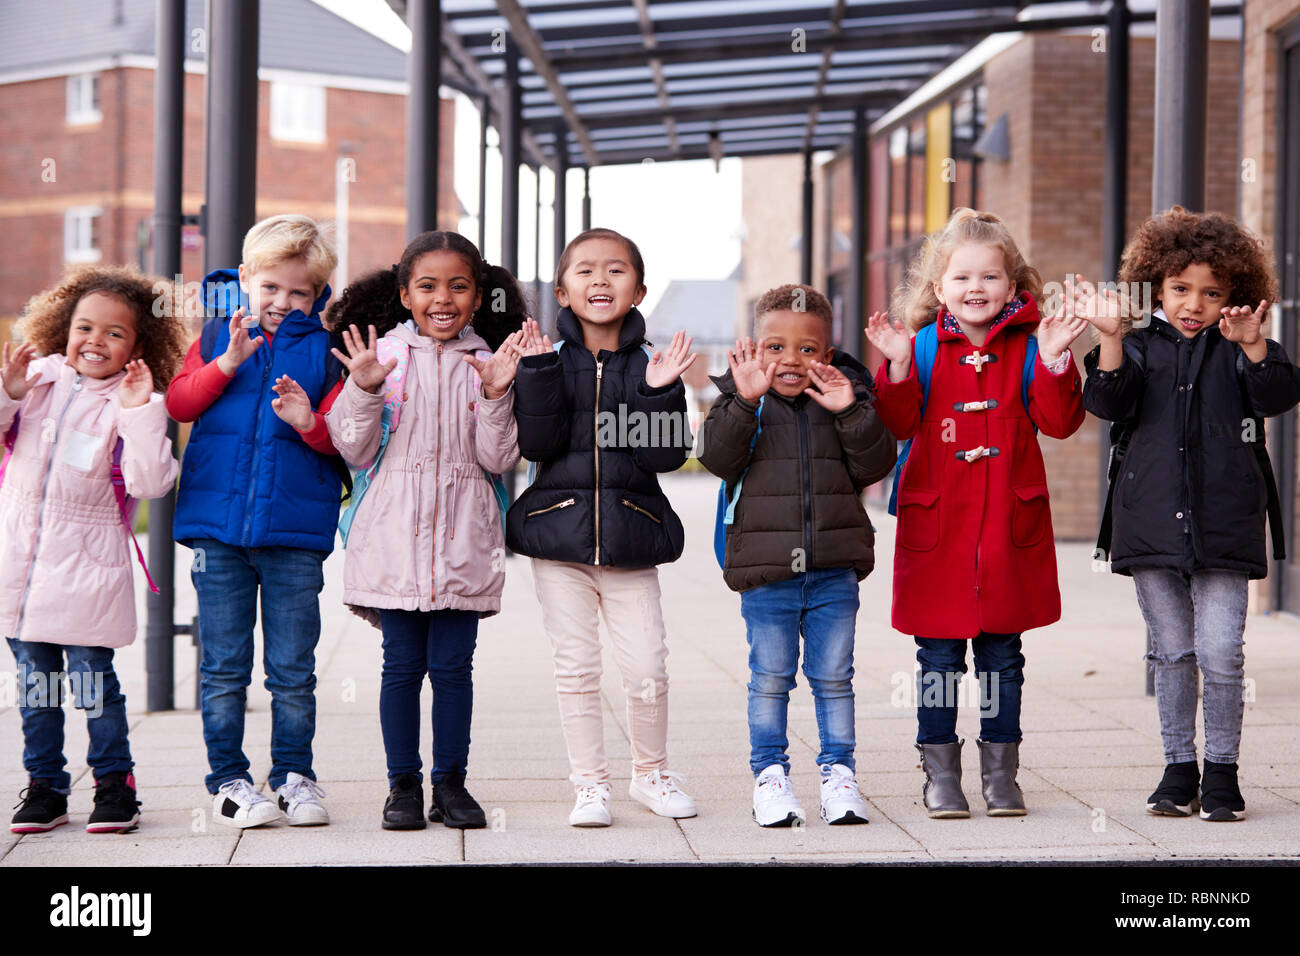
(1091, 752)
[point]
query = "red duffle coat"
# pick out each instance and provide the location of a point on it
(975, 550)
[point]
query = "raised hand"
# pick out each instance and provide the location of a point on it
(292, 405)
(894, 344)
(834, 390)
(1104, 310)
(1056, 332)
(746, 364)
(13, 368)
(1241, 323)
(666, 368)
(137, 386)
(533, 341)
(241, 346)
(362, 360)
(498, 372)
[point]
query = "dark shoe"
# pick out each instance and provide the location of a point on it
(998, 766)
(404, 808)
(116, 808)
(454, 807)
(942, 790)
(1176, 795)
(1221, 800)
(40, 808)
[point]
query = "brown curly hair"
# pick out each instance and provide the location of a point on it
(159, 332)
(1165, 245)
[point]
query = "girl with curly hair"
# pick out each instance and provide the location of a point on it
(1186, 387)
(88, 432)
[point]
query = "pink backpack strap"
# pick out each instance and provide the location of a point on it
(126, 506)
(391, 347)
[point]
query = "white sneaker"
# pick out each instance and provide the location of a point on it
(841, 800)
(774, 801)
(658, 790)
(239, 804)
(592, 806)
(299, 800)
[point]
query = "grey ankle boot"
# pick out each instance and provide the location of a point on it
(942, 791)
(998, 765)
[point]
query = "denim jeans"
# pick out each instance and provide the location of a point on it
(227, 580)
(95, 689)
(440, 644)
(822, 605)
(1196, 619)
(999, 666)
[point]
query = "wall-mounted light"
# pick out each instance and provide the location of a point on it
(715, 150)
(995, 143)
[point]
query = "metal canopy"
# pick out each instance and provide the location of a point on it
(636, 80)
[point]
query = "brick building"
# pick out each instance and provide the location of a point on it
(76, 136)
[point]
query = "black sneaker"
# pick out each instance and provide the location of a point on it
(1221, 800)
(40, 808)
(1176, 795)
(454, 807)
(116, 808)
(404, 808)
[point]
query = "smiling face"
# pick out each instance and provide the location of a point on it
(101, 338)
(276, 290)
(600, 284)
(442, 293)
(975, 286)
(794, 340)
(1192, 299)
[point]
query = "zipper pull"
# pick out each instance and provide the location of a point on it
(76, 384)
(600, 367)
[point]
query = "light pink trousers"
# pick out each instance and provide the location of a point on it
(628, 600)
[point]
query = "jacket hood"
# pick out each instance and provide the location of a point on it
(1024, 311)
(632, 332)
(222, 296)
(467, 341)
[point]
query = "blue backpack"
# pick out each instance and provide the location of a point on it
(926, 345)
(727, 505)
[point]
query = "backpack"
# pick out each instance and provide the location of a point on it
(394, 395)
(126, 505)
(726, 513)
(926, 347)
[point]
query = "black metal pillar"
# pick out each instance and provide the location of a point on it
(511, 128)
(484, 117)
(1182, 51)
(423, 114)
(561, 193)
(853, 318)
(806, 239)
(230, 141)
(168, 145)
(537, 246)
(586, 198)
(1114, 187)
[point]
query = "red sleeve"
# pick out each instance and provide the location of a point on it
(318, 438)
(196, 387)
(1056, 401)
(899, 403)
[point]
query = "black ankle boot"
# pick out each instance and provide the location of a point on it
(1221, 799)
(1176, 795)
(453, 806)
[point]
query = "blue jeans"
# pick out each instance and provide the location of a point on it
(95, 689)
(440, 644)
(822, 605)
(999, 676)
(227, 579)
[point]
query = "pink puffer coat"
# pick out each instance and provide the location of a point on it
(427, 535)
(66, 557)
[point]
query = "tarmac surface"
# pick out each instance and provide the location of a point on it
(1090, 756)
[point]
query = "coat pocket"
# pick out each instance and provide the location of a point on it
(918, 519)
(1030, 515)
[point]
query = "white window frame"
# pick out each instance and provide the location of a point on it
(297, 112)
(79, 234)
(83, 99)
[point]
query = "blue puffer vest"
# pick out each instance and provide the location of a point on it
(247, 478)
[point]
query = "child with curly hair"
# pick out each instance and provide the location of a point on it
(87, 433)
(1190, 481)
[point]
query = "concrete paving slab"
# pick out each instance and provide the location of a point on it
(529, 832)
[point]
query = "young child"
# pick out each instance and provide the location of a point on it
(795, 421)
(86, 431)
(258, 503)
(1189, 495)
(975, 555)
(425, 545)
(595, 520)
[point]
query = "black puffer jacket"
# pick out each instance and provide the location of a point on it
(589, 504)
(799, 507)
(1190, 493)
